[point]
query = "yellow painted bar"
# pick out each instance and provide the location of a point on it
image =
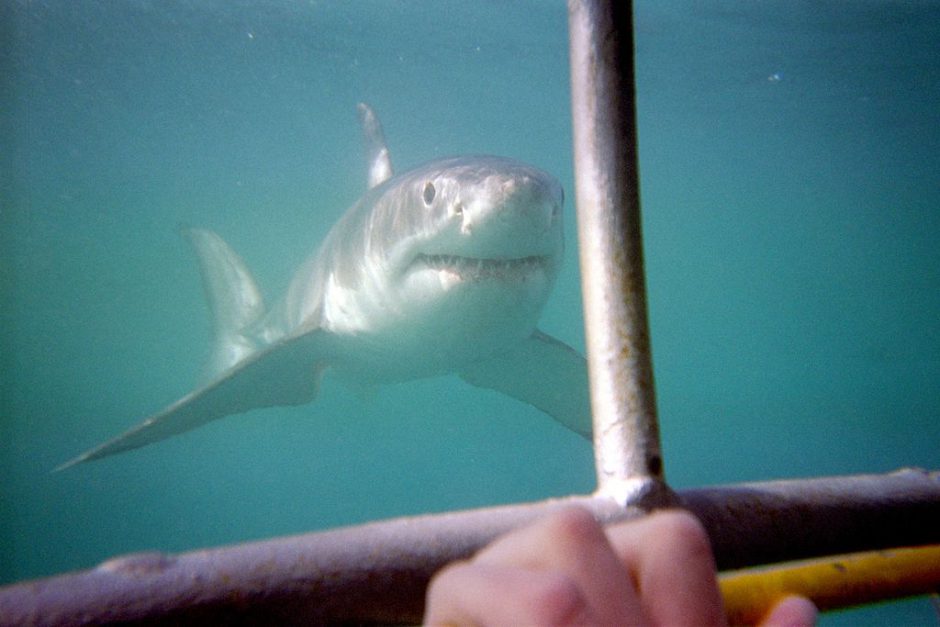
(832, 582)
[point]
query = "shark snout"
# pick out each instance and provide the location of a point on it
(517, 203)
(541, 199)
(530, 203)
(512, 216)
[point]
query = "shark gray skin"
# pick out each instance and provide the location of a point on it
(442, 269)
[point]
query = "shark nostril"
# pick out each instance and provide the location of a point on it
(457, 210)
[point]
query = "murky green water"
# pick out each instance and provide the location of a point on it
(789, 157)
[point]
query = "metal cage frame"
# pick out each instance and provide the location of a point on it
(378, 572)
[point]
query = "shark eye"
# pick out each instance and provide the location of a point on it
(428, 193)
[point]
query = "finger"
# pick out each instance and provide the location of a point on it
(670, 558)
(573, 543)
(470, 593)
(791, 612)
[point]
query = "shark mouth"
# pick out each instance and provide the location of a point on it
(476, 269)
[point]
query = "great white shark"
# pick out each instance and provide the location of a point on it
(442, 269)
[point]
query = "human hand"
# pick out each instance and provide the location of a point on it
(568, 570)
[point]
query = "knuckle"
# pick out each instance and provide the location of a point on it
(557, 600)
(451, 576)
(686, 534)
(576, 526)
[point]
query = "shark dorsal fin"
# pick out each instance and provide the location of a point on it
(380, 165)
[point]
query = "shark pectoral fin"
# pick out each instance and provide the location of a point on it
(286, 373)
(543, 372)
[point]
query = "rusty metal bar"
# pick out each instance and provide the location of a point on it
(626, 433)
(378, 572)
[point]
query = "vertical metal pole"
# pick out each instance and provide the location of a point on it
(626, 434)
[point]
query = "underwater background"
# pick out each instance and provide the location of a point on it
(790, 165)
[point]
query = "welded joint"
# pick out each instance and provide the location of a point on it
(644, 493)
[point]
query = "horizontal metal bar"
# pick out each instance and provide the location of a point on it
(378, 572)
(373, 572)
(768, 522)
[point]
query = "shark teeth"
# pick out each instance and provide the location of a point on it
(480, 268)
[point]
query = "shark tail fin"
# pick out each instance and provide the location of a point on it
(380, 163)
(234, 299)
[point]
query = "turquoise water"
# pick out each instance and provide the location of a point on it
(790, 169)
